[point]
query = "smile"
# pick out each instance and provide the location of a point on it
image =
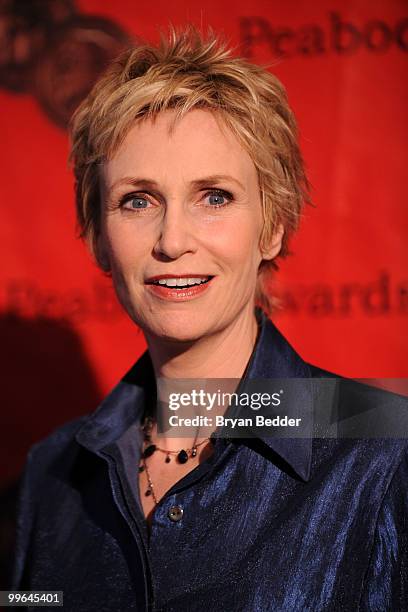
(179, 288)
(182, 283)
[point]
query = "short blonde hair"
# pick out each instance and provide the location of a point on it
(189, 70)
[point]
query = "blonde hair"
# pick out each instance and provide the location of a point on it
(189, 70)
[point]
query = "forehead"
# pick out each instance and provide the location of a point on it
(198, 144)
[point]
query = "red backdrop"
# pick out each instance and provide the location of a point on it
(345, 291)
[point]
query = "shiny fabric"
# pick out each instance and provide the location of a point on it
(269, 524)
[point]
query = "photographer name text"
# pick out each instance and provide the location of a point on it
(222, 421)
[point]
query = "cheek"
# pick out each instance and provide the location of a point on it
(237, 242)
(126, 246)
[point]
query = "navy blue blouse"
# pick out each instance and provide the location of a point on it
(268, 524)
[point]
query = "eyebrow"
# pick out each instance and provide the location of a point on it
(197, 183)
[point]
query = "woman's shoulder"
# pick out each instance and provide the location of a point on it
(360, 424)
(60, 442)
(372, 406)
(60, 436)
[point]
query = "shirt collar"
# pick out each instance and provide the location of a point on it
(272, 357)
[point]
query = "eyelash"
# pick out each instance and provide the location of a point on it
(211, 192)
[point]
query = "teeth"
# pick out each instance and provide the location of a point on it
(170, 282)
(181, 282)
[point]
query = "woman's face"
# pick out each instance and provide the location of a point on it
(182, 208)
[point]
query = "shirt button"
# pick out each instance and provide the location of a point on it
(175, 513)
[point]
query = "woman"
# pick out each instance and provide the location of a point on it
(189, 184)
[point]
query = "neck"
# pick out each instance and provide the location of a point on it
(223, 354)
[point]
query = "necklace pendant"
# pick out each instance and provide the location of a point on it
(182, 457)
(167, 459)
(149, 451)
(148, 492)
(194, 451)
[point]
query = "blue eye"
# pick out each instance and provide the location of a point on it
(219, 198)
(216, 199)
(138, 202)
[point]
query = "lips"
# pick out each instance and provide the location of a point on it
(178, 280)
(180, 288)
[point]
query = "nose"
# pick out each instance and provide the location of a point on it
(175, 234)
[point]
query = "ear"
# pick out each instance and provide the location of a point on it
(101, 254)
(275, 245)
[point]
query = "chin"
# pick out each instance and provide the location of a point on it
(178, 327)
